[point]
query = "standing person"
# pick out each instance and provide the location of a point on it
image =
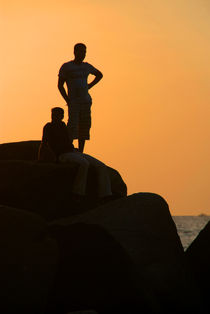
(55, 138)
(75, 74)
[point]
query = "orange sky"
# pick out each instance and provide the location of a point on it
(151, 110)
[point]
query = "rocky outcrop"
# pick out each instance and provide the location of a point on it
(45, 188)
(94, 272)
(142, 225)
(39, 267)
(84, 312)
(28, 262)
(122, 257)
(26, 150)
(198, 257)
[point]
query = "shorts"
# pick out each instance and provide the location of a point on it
(79, 122)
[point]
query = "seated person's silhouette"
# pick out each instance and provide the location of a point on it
(56, 144)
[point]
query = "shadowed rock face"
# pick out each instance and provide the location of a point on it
(26, 150)
(198, 256)
(143, 226)
(28, 262)
(60, 269)
(45, 188)
(124, 253)
(94, 272)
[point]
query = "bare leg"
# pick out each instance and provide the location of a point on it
(104, 183)
(80, 181)
(81, 145)
(84, 125)
(73, 121)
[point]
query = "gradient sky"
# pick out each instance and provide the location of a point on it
(151, 110)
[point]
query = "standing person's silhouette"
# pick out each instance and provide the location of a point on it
(75, 73)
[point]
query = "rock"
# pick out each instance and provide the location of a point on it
(142, 225)
(83, 312)
(198, 257)
(26, 150)
(94, 272)
(45, 188)
(28, 262)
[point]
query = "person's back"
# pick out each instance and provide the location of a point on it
(55, 139)
(56, 136)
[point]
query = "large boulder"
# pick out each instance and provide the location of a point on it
(84, 312)
(28, 262)
(142, 225)
(45, 188)
(94, 272)
(26, 150)
(198, 257)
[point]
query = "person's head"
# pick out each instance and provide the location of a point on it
(57, 114)
(80, 52)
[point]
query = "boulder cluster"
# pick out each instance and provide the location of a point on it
(61, 256)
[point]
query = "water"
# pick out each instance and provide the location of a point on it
(188, 227)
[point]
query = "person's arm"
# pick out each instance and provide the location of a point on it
(98, 77)
(45, 153)
(61, 88)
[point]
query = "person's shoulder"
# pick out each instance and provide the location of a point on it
(65, 67)
(67, 64)
(47, 125)
(90, 68)
(87, 64)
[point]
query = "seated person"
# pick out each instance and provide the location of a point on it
(57, 146)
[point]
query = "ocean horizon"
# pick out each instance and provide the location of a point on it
(188, 227)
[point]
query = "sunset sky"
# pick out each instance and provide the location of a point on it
(151, 110)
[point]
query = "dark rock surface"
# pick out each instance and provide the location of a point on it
(198, 257)
(142, 225)
(122, 257)
(26, 150)
(28, 262)
(94, 272)
(45, 188)
(84, 312)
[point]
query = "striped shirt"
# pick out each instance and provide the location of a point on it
(75, 76)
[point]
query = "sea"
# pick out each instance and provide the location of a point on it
(188, 227)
